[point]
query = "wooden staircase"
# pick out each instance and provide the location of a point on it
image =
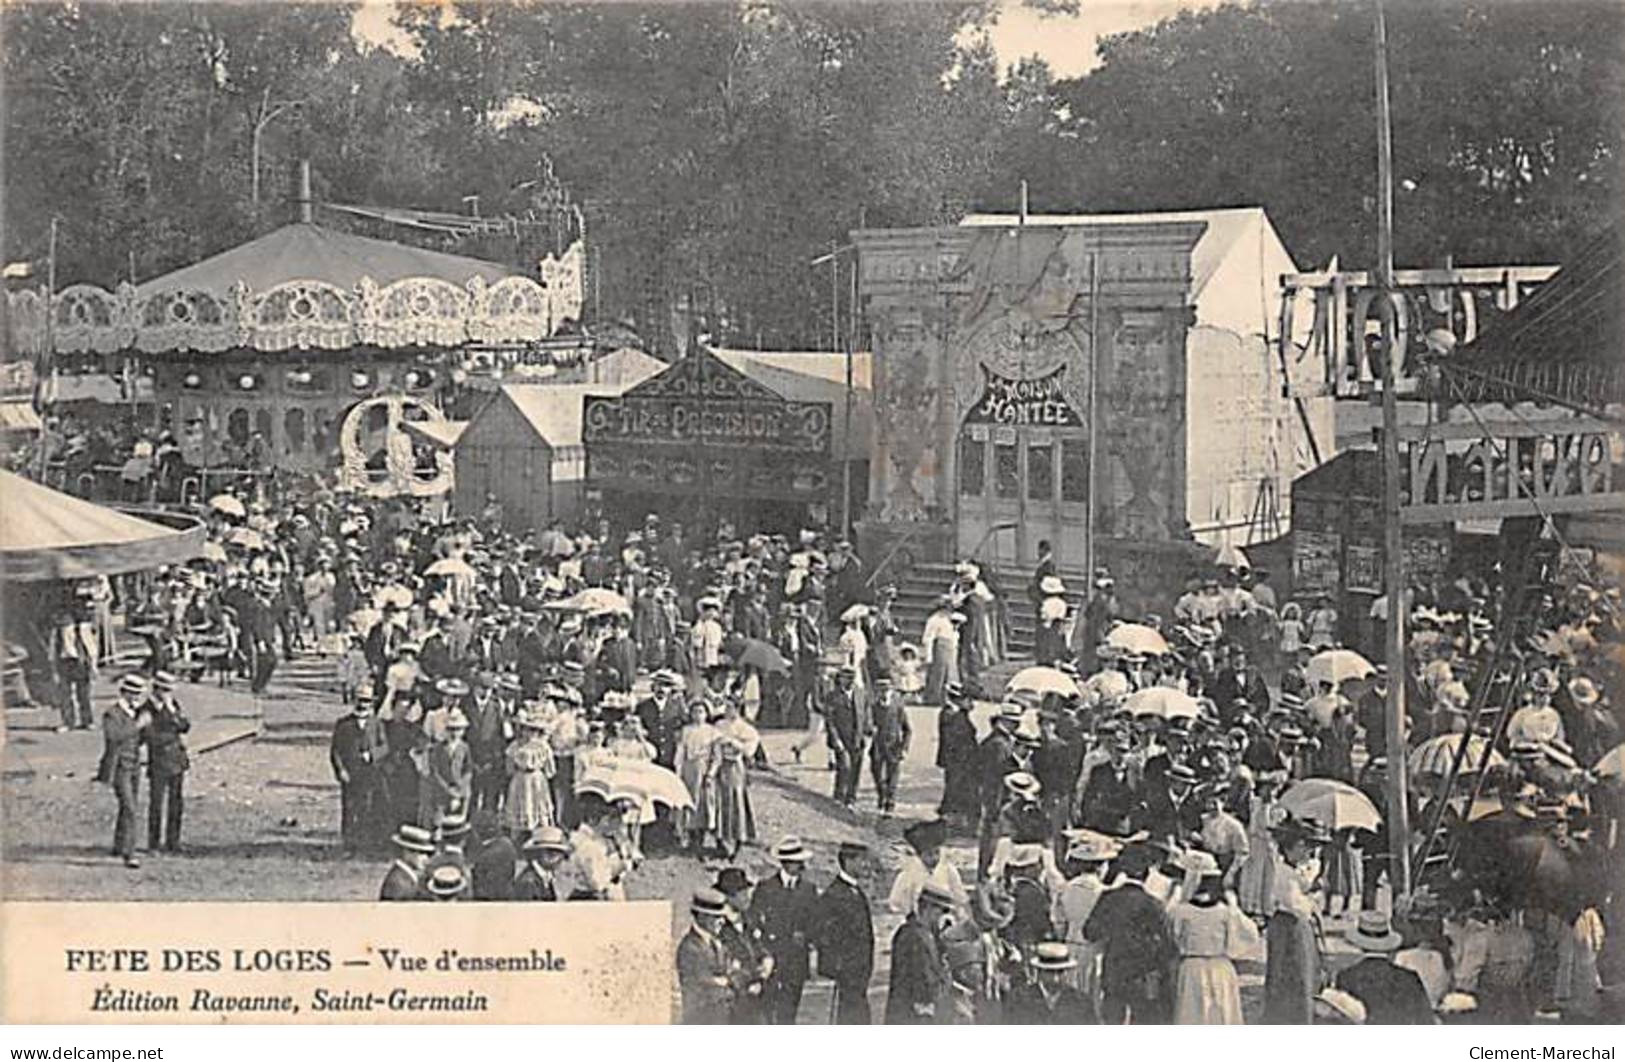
(918, 591)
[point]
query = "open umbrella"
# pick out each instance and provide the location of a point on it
(596, 601)
(1433, 757)
(1612, 765)
(763, 656)
(1163, 702)
(1138, 639)
(1333, 804)
(1042, 680)
(452, 566)
(247, 538)
(228, 505)
(397, 595)
(1337, 666)
(214, 551)
(1107, 685)
(639, 780)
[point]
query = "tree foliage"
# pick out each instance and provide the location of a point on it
(719, 148)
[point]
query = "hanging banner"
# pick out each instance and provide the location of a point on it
(1023, 403)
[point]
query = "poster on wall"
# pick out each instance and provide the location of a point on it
(1008, 400)
(1362, 569)
(1316, 562)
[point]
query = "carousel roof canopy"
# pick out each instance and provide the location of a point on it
(305, 251)
(45, 534)
(301, 287)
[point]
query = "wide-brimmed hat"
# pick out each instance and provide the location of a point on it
(708, 901)
(547, 839)
(1051, 584)
(791, 850)
(1583, 691)
(933, 893)
(1088, 846)
(1023, 784)
(451, 687)
(732, 881)
(1008, 712)
(1374, 932)
(447, 880)
(414, 839)
(1052, 955)
(932, 833)
(163, 680)
(456, 719)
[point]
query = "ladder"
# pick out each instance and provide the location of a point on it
(1494, 700)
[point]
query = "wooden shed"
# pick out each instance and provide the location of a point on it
(524, 448)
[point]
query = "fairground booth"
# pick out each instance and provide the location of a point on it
(764, 441)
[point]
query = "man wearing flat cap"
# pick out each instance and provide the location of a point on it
(845, 936)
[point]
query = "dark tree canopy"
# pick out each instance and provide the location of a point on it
(718, 148)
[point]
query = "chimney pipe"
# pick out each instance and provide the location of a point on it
(306, 213)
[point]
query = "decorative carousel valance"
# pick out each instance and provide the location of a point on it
(299, 288)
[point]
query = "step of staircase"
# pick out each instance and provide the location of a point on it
(917, 594)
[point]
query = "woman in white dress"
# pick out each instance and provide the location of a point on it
(1074, 902)
(530, 782)
(1211, 933)
(1255, 884)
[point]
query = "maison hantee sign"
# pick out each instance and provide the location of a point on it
(1037, 402)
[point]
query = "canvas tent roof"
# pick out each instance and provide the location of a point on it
(439, 433)
(553, 410)
(45, 534)
(304, 251)
(622, 367)
(816, 377)
(1235, 268)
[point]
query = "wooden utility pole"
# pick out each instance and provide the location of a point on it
(1399, 834)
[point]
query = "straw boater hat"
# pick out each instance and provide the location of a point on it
(1375, 933)
(1008, 712)
(1087, 846)
(163, 681)
(451, 687)
(791, 850)
(132, 685)
(1022, 784)
(414, 839)
(1583, 691)
(1053, 955)
(935, 894)
(547, 839)
(447, 881)
(709, 902)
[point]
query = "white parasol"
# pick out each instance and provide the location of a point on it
(1336, 666)
(1163, 702)
(615, 779)
(595, 601)
(1433, 756)
(1042, 680)
(1333, 804)
(452, 566)
(228, 505)
(1137, 639)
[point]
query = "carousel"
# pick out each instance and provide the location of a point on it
(303, 343)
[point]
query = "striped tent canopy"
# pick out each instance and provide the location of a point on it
(45, 534)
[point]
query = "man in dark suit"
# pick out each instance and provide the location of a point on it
(1109, 799)
(782, 913)
(120, 767)
(1047, 999)
(751, 964)
(167, 763)
(1132, 927)
(662, 715)
(1240, 682)
(705, 969)
(918, 974)
(1392, 994)
(847, 734)
(995, 758)
(892, 734)
(618, 659)
(489, 730)
(845, 936)
(1168, 810)
(357, 752)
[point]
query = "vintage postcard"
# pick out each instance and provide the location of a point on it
(986, 512)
